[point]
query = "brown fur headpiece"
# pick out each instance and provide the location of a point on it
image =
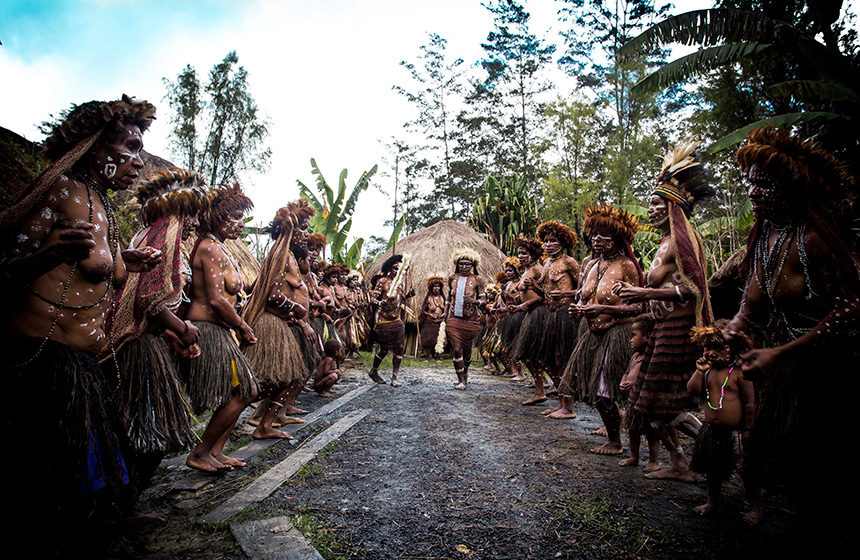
(337, 268)
(500, 277)
(223, 201)
(171, 193)
(566, 236)
(533, 247)
(316, 241)
(513, 261)
(620, 223)
(435, 279)
(492, 289)
(289, 216)
(84, 120)
(801, 167)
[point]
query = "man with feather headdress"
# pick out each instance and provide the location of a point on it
(389, 331)
(677, 291)
(463, 310)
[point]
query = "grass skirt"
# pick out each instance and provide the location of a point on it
(63, 395)
(716, 452)
(670, 360)
(546, 337)
(151, 403)
(276, 359)
(221, 368)
(597, 364)
(462, 332)
(508, 328)
(491, 345)
(390, 336)
(309, 352)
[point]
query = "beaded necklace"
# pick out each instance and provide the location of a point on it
(241, 296)
(722, 388)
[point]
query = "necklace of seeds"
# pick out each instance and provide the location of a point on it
(722, 388)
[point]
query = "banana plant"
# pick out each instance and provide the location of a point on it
(505, 211)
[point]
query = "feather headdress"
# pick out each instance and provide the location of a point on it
(223, 201)
(171, 193)
(620, 223)
(683, 179)
(566, 236)
(390, 262)
(466, 253)
(435, 279)
(401, 274)
(533, 247)
(290, 216)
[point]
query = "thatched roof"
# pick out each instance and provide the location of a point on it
(431, 250)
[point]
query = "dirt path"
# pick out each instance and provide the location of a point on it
(432, 472)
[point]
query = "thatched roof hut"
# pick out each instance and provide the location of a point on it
(431, 250)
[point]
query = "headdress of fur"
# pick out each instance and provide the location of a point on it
(492, 288)
(289, 216)
(620, 223)
(466, 253)
(354, 275)
(85, 120)
(710, 335)
(335, 269)
(512, 261)
(390, 262)
(533, 247)
(171, 193)
(316, 241)
(566, 236)
(500, 277)
(435, 279)
(223, 201)
(374, 279)
(683, 179)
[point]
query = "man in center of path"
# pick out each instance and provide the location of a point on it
(465, 297)
(388, 329)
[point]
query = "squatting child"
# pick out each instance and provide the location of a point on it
(328, 371)
(637, 424)
(729, 411)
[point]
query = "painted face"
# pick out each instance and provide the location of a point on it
(603, 243)
(524, 256)
(189, 226)
(765, 195)
(353, 283)
(117, 163)
(231, 228)
(436, 289)
(638, 338)
(331, 278)
(551, 245)
(511, 273)
(313, 253)
(342, 278)
(304, 265)
(718, 354)
(394, 269)
(300, 235)
(464, 267)
(658, 211)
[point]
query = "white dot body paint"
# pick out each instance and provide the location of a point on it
(110, 170)
(64, 193)
(109, 158)
(22, 238)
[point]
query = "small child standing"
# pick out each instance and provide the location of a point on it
(729, 412)
(636, 422)
(328, 371)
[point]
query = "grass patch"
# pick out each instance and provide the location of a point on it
(324, 537)
(599, 528)
(327, 450)
(306, 470)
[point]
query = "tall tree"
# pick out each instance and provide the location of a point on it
(235, 130)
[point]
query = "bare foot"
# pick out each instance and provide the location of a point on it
(534, 400)
(269, 433)
(232, 461)
(704, 509)
(684, 475)
(460, 386)
(631, 462)
(753, 517)
(550, 410)
(519, 377)
(608, 448)
(284, 420)
(395, 383)
(327, 395)
(206, 463)
(601, 431)
(374, 375)
(290, 409)
(552, 393)
(652, 466)
(562, 414)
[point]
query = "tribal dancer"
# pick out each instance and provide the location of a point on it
(221, 377)
(284, 356)
(153, 406)
(465, 298)
(61, 263)
(316, 245)
(678, 296)
(388, 328)
(490, 349)
(803, 300)
(529, 252)
(431, 316)
(356, 326)
(603, 351)
(510, 319)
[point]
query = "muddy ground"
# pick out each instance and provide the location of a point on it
(436, 473)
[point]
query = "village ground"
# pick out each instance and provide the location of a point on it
(433, 473)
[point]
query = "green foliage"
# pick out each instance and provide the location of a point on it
(324, 537)
(334, 213)
(505, 211)
(223, 107)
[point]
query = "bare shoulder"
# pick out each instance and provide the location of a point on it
(631, 274)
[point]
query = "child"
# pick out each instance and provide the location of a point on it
(729, 412)
(637, 424)
(328, 372)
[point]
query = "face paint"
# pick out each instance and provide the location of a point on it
(658, 210)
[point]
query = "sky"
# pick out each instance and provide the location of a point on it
(322, 71)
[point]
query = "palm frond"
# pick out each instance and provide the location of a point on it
(779, 121)
(812, 91)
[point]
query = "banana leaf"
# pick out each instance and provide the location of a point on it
(779, 121)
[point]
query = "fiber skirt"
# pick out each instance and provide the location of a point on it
(462, 332)
(151, 403)
(221, 368)
(597, 364)
(390, 336)
(670, 360)
(508, 328)
(429, 334)
(309, 352)
(716, 452)
(546, 337)
(276, 359)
